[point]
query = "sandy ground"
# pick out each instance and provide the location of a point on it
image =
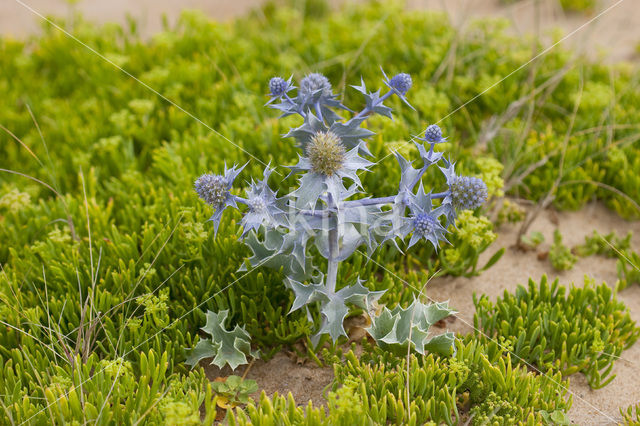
(616, 31)
(590, 407)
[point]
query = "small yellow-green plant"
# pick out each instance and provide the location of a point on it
(561, 257)
(235, 389)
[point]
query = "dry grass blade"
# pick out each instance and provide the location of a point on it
(550, 196)
(24, 145)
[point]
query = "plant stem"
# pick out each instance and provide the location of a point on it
(367, 110)
(240, 200)
(332, 268)
(300, 111)
(384, 200)
(319, 111)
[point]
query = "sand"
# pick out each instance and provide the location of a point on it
(285, 373)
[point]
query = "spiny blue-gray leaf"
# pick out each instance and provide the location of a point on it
(306, 293)
(312, 186)
(225, 347)
(397, 328)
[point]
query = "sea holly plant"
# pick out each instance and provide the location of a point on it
(328, 210)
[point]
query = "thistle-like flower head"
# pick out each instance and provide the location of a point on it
(213, 189)
(400, 85)
(314, 82)
(326, 153)
(278, 86)
(465, 192)
(327, 162)
(424, 224)
(468, 192)
(423, 221)
(401, 82)
(434, 134)
(257, 205)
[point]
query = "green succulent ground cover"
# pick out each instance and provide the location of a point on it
(109, 266)
(631, 415)
(583, 329)
(479, 382)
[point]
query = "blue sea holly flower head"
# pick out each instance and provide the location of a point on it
(314, 96)
(468, 192)
(426, 226)
(399, 85)
(465, 192)
(401, 82)
(278, 89)
(326, 153)
(314, 83)
(433, 134)
(424, 223)
(215, 191)
(278, 86)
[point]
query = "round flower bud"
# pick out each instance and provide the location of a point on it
(424, 224)
(277, 86)
(326, 153)
(401, 82)
(468, 192)
(433, 133)
(212, 189)
(314, 82)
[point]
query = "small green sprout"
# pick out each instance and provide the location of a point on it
(533, 240)
(235, 390)
(560, 255)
